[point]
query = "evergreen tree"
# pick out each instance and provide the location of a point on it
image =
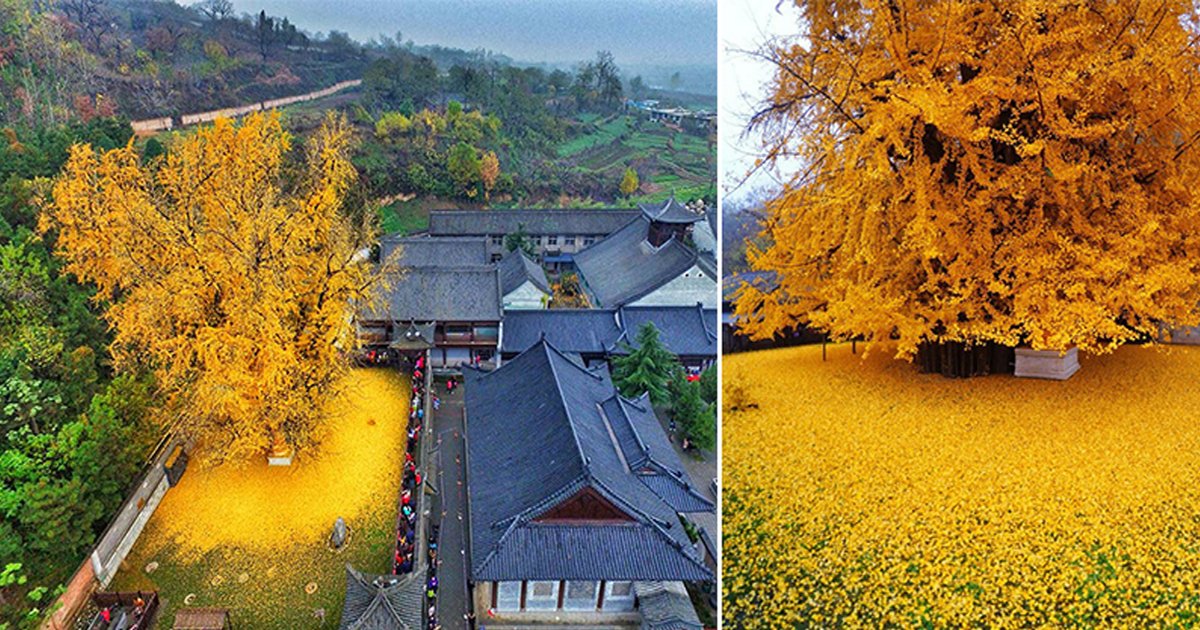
(519, 240)
(648, 368)
(709, 384)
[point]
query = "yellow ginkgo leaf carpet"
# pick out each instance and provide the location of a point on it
(253, 538)
(859, 493)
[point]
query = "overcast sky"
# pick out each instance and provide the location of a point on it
(665, 32)
(745, 25)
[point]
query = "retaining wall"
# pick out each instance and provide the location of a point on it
(105, 560)
(154, 125)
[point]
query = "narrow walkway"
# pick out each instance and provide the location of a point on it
(452, 505)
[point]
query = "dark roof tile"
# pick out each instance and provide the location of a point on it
(625, 266)
(440, 294)
(577, 221)
(516, 268)
(537, 436)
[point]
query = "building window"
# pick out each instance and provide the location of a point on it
(498, 241)
(487, 333)
(552, 240)
(541, 595)
(589, 240)
(580, 595)
(457, 332)
(618, 596)
(508, 596)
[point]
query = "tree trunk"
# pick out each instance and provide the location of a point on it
(956, 359)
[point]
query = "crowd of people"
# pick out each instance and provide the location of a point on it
(431, 584)
(406, 529)
(123, 614)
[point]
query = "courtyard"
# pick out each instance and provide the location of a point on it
(254, 539)
(859, 492)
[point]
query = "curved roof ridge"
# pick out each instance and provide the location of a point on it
(621, 402)
(561, 399)
(655, 523)
(709, 332)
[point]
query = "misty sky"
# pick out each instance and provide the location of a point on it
(745, 25)
(661, 32)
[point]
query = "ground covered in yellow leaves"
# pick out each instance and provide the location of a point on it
(253, 538)
(861, 493)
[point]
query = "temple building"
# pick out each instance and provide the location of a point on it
(575, 499)
(650, 261)
(597, 335)
(556, 235)
(523, 282)
(445, 288)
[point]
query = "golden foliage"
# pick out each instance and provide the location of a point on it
(568, 292)
(489, 171)
(629, 182)
(1017, 172)
(858, 493)
(272, 525)
(234, 284)
(260, 507)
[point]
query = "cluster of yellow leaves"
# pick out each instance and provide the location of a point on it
(859, 493)
(226, 270)
(272, 523)
(1017, 172)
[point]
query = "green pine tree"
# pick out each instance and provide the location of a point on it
(520, 240)
(649, 368)
(709, 384)
(695, 417)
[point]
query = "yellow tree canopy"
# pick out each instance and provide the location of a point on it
(1013, 172)
(227, 268)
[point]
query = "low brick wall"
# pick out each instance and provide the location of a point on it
(79, 589)
(106, 557)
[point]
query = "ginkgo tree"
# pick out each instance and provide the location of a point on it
(229, 269)
(1018, 172)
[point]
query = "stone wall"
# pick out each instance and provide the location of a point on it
(154, 125)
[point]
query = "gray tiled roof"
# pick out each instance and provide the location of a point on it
(670, 211)
(386, 602)
(666, 606)
(536, 437)
(440, 294)
(685, 330)
(516, 268)
(577, 221)
(584, 331)
(624, 267)
(424, 251)
(648, 453)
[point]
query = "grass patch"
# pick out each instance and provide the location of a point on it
(666, 159)
(252, 538)
(404, 217)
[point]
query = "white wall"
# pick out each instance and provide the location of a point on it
(686, 290)
(526, 297)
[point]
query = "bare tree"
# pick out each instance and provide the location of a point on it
(215, 10)
(93, 19)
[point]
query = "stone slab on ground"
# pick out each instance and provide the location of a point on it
(1185, 335)
(1047, 364)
